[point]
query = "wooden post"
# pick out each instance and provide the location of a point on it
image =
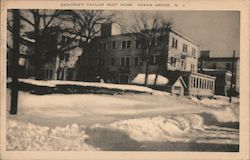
(232, 78)
(15, 67)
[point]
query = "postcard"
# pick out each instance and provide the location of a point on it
(116, 79)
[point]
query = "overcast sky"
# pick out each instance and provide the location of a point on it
(217, 31)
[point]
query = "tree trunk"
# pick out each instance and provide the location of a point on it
(15, 67)
(164, 57)
(146, 69)
(37, 48)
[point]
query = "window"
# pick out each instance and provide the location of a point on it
(123, 44)
(112, 61)
(48, 73)
(151, 59)
(154, 59)
(173, 42)
(173, 61)
(129, 44)
(176, 43)
(194, 82)
(200, 83)
(194, 52)
(126, 44)
(184, 48)
(99, 46)
(123, 61)
(153, 41)
(228, 66)
(104, 46)
(114, 45)
(214, 65)
(127, 61)
(137, 44)
(137, 62)
(157, 59)
(182, 64)
(197, 83)
(159, 40)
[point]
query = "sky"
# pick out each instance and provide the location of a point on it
(217, 31)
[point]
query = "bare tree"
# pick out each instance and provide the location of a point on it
(39, 23)
(151, 31)
(164, 31)
(15, 57)
(41, 30)
(86, 25)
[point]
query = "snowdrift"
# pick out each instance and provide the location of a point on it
(188, 128)
(220, 108)
(30, 137)
(160, 128)
(184, 128)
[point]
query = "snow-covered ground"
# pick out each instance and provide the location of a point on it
(122, 122)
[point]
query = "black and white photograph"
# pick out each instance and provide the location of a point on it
(123, 80)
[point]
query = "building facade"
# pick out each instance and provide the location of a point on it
(222, 69)
(55, 60)
(121, 57)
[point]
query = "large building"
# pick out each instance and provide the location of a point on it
(54, 58)
(121, 57)
(222, 68)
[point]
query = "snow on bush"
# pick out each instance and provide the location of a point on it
(227, 114)
(140, 79)
(174, 128)
(220, 108)
(27, 136)
(53, 83)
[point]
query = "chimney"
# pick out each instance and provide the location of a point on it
(106, 29)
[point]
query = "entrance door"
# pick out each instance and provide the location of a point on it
(177, 90)
(123, 78)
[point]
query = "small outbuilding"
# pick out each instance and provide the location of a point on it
(173, 84)
(176, 85)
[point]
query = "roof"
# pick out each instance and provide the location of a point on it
(184, 36)
(215, 71)
(218, 58)
(172, 80)
(185, 74)
(172, 30)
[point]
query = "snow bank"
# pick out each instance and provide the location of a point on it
(37, 82)
(103, 85)
(174, 128)
(227, 114)
(53, 83)
(27, 136)
(140, 79)
(220, 108)
(123, 87)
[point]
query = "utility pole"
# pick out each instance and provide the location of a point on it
(15, 58)
(146, 69)
(232, 79)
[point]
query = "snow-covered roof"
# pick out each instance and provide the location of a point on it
(140, 79)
